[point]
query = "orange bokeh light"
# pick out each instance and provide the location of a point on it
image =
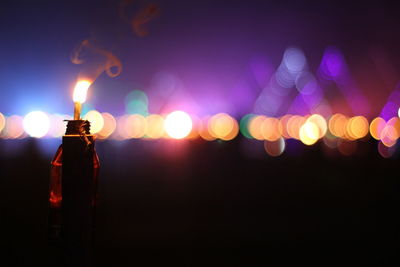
(108, 127)
(223, 126)
(270, 129)
(293, 126)
(194, 133)
(254, 127)
(203, 129)
(155, 126)
(395, 123)
(120, 132)
(357, 127)
(376, 127)
(282, 126)
(337, 125)
(136, 126)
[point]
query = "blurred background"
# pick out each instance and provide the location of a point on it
(286, 148)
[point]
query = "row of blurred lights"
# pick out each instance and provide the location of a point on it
(338, 129)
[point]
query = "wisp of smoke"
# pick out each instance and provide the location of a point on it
(97, 60)
(141, 18)
(144, 16)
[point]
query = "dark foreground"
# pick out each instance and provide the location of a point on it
(196, 203)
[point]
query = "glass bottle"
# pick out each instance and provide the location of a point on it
(55, 189)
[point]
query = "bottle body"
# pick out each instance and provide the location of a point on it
(55, 194)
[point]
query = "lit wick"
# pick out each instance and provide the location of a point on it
(79, 97)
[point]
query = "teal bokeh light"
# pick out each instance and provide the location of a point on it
(137, 102)
(244, 123)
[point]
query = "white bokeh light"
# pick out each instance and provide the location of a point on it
(178, 124)
(294, 60)
(309, 133)
(96, 121)
(36, 124)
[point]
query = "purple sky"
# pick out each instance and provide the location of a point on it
(202, 56)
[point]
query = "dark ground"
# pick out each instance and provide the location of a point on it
(214, 206)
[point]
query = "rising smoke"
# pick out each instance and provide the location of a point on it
(96, 58)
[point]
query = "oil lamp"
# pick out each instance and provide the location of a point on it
(73, 188)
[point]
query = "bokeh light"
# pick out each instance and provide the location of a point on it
(390, 109)
(357, 127)
(194, 133)
(391, 132)
(294, 60)
(389, 136)
(203, 129)
(2, 121)
(340, 132)
(233, 133)
(96, 121)
(36, 124)
(309, 133)
(178, 124)
(318, 120)
(275, 148)
(337, 125)
(223, 126)
(136, 102)
(155, 126)
(270, 129)
(13, 127)
(282, 82)
(376, 127)
(121, 132)
(395, 122)
(109, 125)
(254, 127)
(332, 63)
(306, 83)
(330, 140)
(293, 126)
(135, 126)
(346, 147)
(386, 151)
(57, 125)
(244, 125)
(282, 126)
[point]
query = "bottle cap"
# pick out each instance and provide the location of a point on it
(78, 127)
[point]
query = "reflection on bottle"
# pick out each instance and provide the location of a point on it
(55, 197)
